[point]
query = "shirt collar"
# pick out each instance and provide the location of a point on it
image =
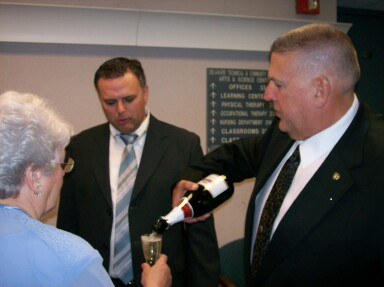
(141, 130)
(323, 142)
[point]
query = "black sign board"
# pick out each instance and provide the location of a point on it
(235, 105)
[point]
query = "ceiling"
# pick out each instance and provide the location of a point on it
(377, 5)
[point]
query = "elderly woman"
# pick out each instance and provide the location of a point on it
(32, 142)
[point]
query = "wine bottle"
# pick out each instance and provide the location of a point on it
(213, 191)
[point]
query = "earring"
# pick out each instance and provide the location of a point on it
(39, 189)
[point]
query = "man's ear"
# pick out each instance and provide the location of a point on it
(323, 89)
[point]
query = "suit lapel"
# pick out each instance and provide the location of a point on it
(156, 144)
(329, 184)
(319, 196)
(99, 157)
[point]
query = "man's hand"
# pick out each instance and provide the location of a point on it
(178, 192)
(159, 275)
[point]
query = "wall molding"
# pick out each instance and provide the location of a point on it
(95, 26)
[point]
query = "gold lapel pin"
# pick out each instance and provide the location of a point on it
(336, 176)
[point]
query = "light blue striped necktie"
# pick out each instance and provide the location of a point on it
(122, 259)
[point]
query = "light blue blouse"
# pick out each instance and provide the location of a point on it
(36, 254)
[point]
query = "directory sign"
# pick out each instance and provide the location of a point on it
(235, 105)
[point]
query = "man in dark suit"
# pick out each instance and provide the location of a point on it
(329, 228)
(89, 194)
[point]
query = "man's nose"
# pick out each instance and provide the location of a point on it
(269, 94)
(120, 106)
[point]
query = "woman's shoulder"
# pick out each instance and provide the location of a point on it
(68, 247)
(53, 257)
(59, 245)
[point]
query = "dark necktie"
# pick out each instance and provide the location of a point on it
(271, 209)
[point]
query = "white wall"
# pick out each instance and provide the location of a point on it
(63, 73)
(258, 8)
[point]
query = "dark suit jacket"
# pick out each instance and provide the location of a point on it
(333, 234)
(86, 207)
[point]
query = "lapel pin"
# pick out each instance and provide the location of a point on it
(336, 176)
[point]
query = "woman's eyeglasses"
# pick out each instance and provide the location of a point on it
(66, 166)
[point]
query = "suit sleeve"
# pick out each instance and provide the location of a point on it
(237, 160)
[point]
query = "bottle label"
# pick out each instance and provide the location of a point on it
(179, 213)
(215, 184)
(187, 210)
